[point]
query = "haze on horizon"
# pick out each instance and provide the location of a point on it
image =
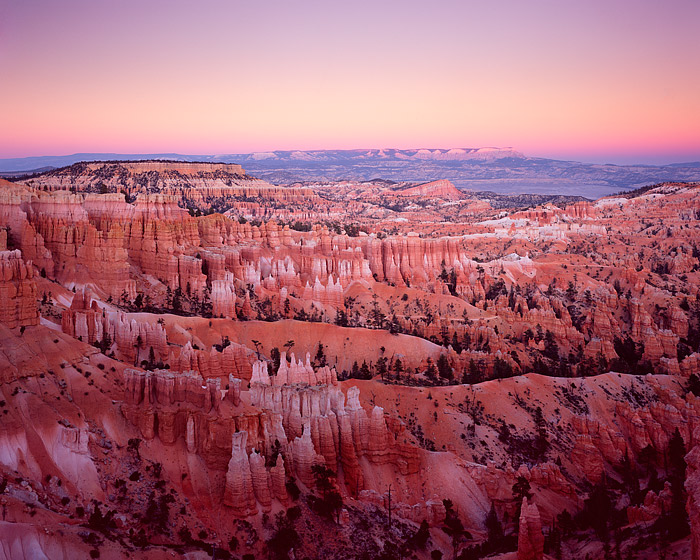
(594, 81)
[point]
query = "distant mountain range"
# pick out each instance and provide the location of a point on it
(501, 170)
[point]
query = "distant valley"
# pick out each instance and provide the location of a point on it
(501, 170)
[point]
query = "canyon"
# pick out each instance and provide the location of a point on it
(198, 363)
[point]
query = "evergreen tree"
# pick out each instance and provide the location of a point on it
(320, 357)
(365, 373)
(598, 509)
(398, 368)
(276, 360)
(493, 526)
(444, 369)
(177, 299)
(456, 344)
(502, 368)
(521, 490)
(422, 535)
(551, 348)
(474, 374)
(678, 526)
(380, 367)
(341, 318)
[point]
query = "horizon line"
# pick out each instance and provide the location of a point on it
(614, 160)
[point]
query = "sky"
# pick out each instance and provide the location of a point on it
(596, 80)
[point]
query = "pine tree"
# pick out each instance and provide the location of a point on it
(320, 357)
(398, 368)
(678, 526)
(364, 371)
(444, 369)
(493, 526)
(521, 490)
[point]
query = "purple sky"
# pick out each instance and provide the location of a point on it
(597, 81)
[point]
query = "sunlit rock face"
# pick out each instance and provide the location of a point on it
(395, 347)
(18, 291)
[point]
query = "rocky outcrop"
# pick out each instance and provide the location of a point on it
(234, 358)
(239, 493)
(18, 292)
(596, 442)
(597, 445)
(542, 289)
(262, 480)
(221, 267)
(439, 189)
(302, 372)
(131, 337)
(166, 388)
(497, 482)
(199, 184)
(15, 208)
(278, 480)
(341, 434)
(84, 318)
(432, 511)
(234, 390)
(303, 424)
(588, 458)
(305, 456)
(652, 508)
(159, 403)
(530, 537)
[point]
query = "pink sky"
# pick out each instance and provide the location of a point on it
(594, 80)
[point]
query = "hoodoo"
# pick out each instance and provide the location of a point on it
(175, 378)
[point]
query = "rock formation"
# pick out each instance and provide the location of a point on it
(530, 537)
(18, 291)
(443, 347)
(239, 495)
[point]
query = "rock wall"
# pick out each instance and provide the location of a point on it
(283, 427)
(18, 292)
(153, 247)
